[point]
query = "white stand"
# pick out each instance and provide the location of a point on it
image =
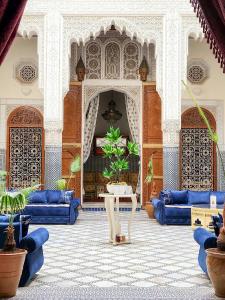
(113, 216)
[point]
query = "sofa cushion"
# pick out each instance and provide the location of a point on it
(195, 197)
(220, 197)
(38, 197)
(48, 210)
(66, 196)
(178, 211)
(179, 197)
(54, 196)
(165, 196)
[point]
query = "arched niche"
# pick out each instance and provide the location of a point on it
(25, 147)
(197, 152)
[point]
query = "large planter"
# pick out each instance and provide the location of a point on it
(119, 189)
(216, 270)
(11, 266)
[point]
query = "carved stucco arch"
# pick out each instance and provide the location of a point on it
(29, 26)
(146, 29)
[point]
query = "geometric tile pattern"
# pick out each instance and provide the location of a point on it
(79, 255)
(220, 176)
(53, 166)
(2, 159)
(171, 168)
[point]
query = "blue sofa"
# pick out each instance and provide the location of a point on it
(174, 207)
(206, 240)
(52, 207)
(32, 242)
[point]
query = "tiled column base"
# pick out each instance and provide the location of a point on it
(220, 175)
(171, 168)
(2, 159)
(53, 166)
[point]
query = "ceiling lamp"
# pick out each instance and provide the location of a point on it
(112, 115)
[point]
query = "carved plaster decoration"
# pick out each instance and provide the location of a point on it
(148, 28)
(11, 107)
(197, 71)
(53, 134)
(26, 72)
(190, 27)
(81, 7)
(171, 133)
(89, 92)
(30, 25)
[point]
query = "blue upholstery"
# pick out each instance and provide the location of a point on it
(206, 240)
(38, 197)
(32, 243)
(198, 197)
(179, 197)
(220, 197)
(54, 210)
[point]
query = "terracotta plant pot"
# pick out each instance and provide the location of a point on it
(216, 270)
(11, 266)
(150, 210)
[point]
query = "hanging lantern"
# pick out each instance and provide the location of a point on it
(111, 114)
(80, 70)
(143, 69)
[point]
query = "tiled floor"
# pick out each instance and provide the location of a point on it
(80, 256)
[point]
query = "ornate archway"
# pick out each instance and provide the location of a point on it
(198, 152)
(25, 147)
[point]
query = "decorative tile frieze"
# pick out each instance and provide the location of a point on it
(171, 168)
(53, 166)
(171, 133)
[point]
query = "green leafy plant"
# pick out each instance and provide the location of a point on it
(10, 204)
(150, 172)
(61, 184)
(118, 159)
(74, 168)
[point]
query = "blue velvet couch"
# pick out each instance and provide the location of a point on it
(206, 240)
(32, 242)
(174, 207)
(52, 207)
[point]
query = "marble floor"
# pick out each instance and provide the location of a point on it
(80, 256)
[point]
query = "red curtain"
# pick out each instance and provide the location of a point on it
(10, 14)
(211, 15)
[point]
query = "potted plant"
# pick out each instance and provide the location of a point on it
(118, 161)
(63, 184)
(11, 258)
(215, 256)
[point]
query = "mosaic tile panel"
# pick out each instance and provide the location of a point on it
(53, 166)
(171, 168)
(2, 159)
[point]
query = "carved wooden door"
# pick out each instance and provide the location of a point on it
(152, 139)
(71, 136)
(25, 159)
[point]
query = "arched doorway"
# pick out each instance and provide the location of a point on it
(198, 152)
(94, 130)
(25, 147)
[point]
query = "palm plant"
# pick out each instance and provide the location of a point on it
(118, 159)
(10, 204)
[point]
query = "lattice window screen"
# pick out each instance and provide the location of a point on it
(25, 157)
(196, 159)
(112, 61)
(93, 61)
(130, 61)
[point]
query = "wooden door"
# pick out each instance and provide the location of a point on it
(152, 139)
(71, 136)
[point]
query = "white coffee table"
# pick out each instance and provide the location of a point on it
(112, 210)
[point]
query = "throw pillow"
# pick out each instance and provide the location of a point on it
(38, 197)
(195, 197)
(165, 196)
(220, 197)
(179, 197)
(66, 196)
(54, 196)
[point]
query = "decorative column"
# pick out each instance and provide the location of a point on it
(53, 98)
(3, 126)
(171, 108)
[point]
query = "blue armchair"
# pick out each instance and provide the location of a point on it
(32, 242)
(206, 240)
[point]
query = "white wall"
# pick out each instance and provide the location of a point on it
(21, 50)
